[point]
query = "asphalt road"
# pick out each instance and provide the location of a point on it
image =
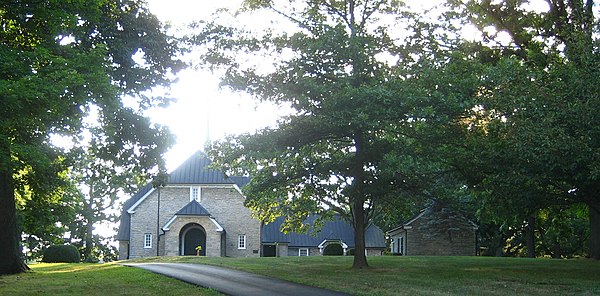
(232, 282)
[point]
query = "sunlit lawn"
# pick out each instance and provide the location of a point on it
(426, 275)
(387, 276)
(93, 279)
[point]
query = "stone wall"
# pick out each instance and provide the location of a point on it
(224, 202)
(441, 232)
(123, 250)
(226, 205)
(213, 235)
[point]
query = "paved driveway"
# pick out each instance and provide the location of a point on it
(231, 282)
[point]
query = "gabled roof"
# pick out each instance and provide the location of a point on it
(193, 208)
(194, 171)
(337, 229)
(436, 207)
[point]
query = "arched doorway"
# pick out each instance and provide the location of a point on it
(191, 236)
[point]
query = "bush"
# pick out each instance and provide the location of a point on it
(350, 252)
(61, 253)
(333, 250)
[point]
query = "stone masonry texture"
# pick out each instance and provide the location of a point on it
(226, 206)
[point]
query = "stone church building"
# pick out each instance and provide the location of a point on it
(197, 207)
(201, 211)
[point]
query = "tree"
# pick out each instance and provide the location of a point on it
(43, 218)
(102, 174)
(325, 158)
(64, 61)
(541, 100)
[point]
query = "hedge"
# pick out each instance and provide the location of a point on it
(62, 253)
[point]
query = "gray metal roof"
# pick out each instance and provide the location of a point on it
(193, 208)
(337, 229)
(194, 171)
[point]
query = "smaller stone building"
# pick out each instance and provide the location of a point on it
(435, 231)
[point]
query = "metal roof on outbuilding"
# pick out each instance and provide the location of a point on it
(336, 229)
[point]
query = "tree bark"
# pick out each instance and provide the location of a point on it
(358, 204)
(11, 261)
(530, 233)
(556, 251)
(594, 208)
(87, 225)
(360, 258)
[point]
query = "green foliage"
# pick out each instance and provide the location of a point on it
(330, 155)
(532, 145)
(65, 68)
(333, 250)
(61, 253)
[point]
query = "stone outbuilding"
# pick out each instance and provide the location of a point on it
(435, 231)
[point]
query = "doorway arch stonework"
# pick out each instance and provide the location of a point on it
(191, 236)
(180, 226)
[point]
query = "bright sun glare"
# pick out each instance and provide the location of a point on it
(202, 110)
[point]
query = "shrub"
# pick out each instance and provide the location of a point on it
(350, 252)
(333, 250)
(61, 253)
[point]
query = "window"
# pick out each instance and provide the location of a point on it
(303, 252)
(195, 193)
(242, 241)
(147, 240)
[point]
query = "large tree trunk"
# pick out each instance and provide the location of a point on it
(530, 233)
(360, 257)
(594, 208)
(87, 225)
(11, 261)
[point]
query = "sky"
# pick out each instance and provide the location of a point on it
(202, 110)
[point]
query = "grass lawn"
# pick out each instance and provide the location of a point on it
(424, 275)
(93, 279)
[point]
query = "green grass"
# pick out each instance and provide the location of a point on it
(424, 275)
(386, 276)
(93, 279)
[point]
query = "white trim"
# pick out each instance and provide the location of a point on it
(219, 227)
(131, 209)
(339, 241)
(199, 197)
(200, 185)
(147, 240)
(300, 252)
(182, 241)
(241, 242)
(168, 224)
(326, 242)
(239, 190)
